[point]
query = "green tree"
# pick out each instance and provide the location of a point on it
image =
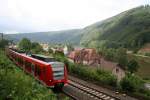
(50, 50)
(110, 54)
(34, 44)
(3, 43)
(70, 47)
(132, 66)
(25, 44)
(36, 47)
(121, 57)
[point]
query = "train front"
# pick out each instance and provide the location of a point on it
(59, 74)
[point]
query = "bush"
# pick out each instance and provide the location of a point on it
(131, 83)
(147, 54)
(96, 75)
(19, 86)
(107, 77)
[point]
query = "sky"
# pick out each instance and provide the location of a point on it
(52, 15)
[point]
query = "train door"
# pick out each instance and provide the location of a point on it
(24, 64)
(44, 74)
(28, 66)
(37, 71)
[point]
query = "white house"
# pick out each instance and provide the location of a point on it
(65, 49)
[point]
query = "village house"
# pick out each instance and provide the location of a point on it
(57, 49)
(65, 50)
(86, 56)
(89, 56)
(45, 46)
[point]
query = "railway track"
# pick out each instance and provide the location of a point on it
(88, 92)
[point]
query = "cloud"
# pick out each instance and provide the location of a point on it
(47, 15)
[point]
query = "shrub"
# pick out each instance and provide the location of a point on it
(131, 83)
(90, 74)
(147, 54)
(107, 77)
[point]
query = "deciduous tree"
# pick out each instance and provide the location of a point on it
(25, 44)
(132, 66)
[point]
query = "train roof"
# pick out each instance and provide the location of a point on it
(43, 58)
(40, 58)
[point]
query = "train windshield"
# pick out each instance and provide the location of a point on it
(58, 70)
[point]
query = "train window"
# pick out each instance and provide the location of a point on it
(44, 70)
(27, 64)
(20, 60)
(37, 70)
(16, 59)
(32, 67)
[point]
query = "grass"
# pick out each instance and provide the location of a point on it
(21, 86)
(16, 85)
(144, 63)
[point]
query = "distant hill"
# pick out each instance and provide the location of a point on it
(129, 29)
(72, 36)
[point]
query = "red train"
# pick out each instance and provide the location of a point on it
(45, 69)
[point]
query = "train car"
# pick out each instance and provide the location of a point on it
(45, 69)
